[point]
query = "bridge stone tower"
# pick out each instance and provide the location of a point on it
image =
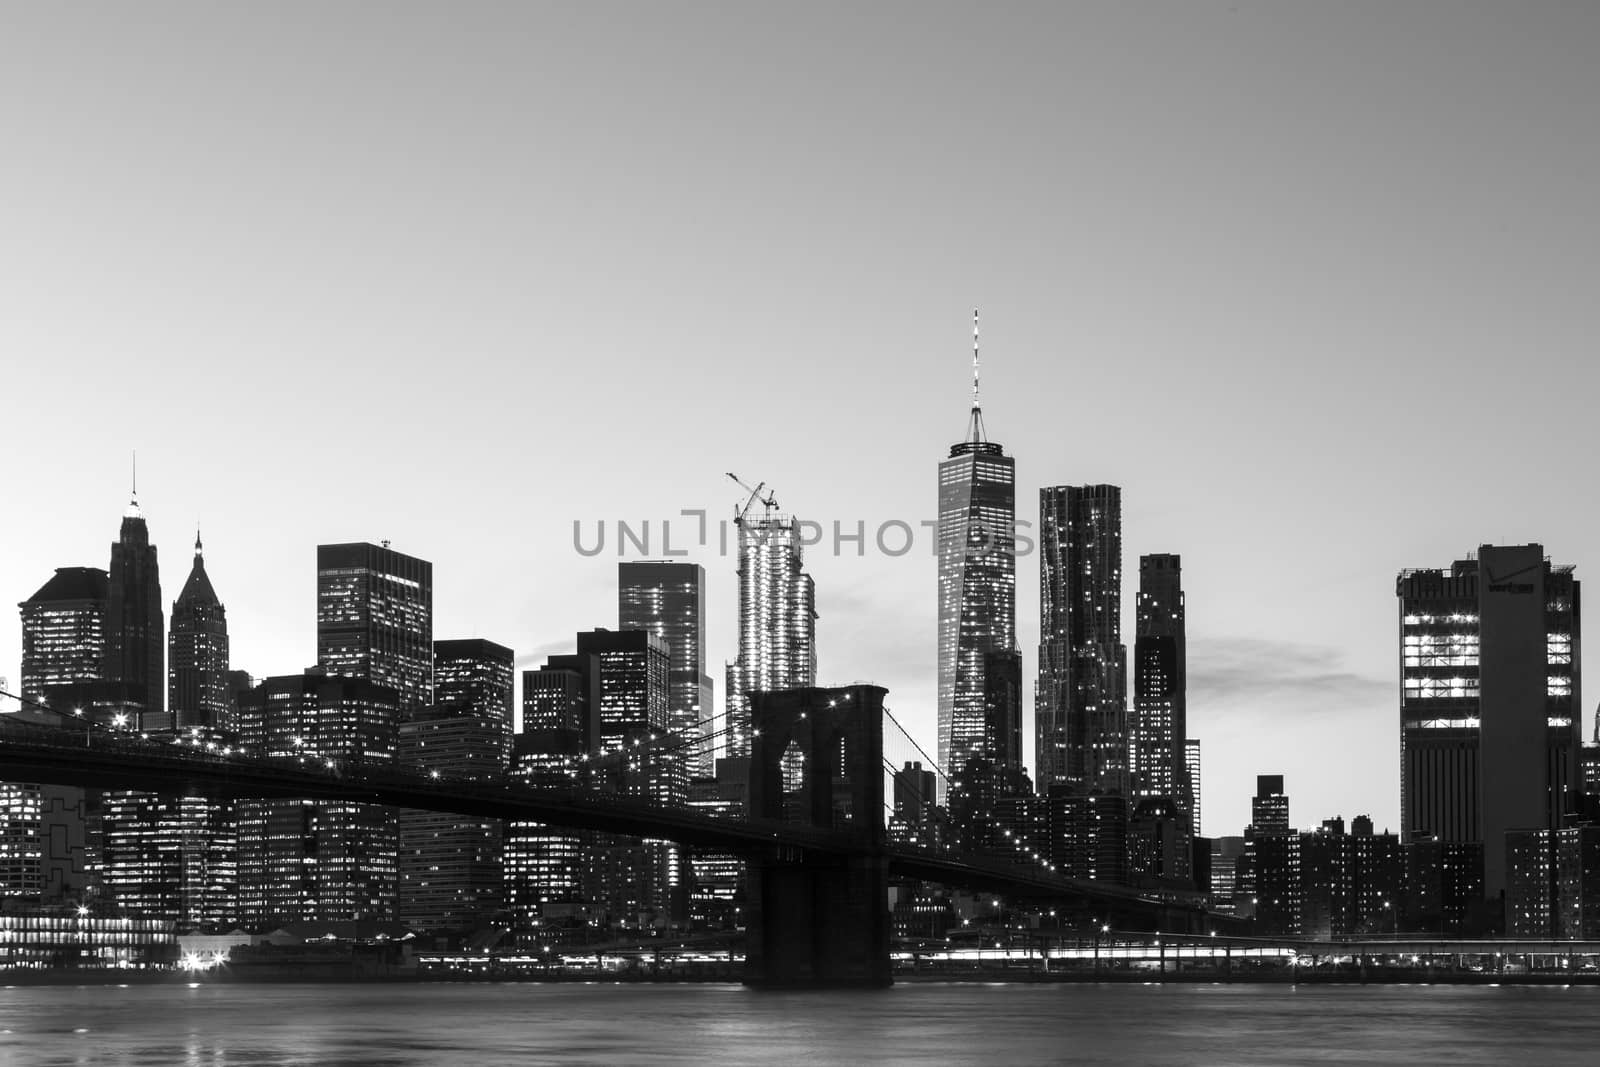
(819, 918)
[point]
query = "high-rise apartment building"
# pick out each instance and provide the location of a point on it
(777, 620)
(135, 638)
(668, 599)
(375, 619)
(197, 653)
(1081, 697)
(977, 584)
(1489, 701)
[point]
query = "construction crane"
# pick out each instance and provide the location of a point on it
(770, 501)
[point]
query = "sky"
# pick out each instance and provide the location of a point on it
(1314, 284)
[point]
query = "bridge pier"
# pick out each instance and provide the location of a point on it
(819, 917)
(817, 920)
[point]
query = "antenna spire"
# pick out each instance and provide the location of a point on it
(133, 499)
(975, 431)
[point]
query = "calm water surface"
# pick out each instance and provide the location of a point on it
(220, 1025)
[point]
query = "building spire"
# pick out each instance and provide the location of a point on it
(133, 499)
(975, 431)
(197, 541)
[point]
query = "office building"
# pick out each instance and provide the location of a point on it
(1160, 719)
(135, 637)
(63, 631)
(375, 619)
(314, 859)
(668, 599)
(449, 865)
(475, 677)
(197, 652)
(46, 827)
(977, 587)
(544, 865)
(1489, 704)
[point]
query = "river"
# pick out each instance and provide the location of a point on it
(231, 1024)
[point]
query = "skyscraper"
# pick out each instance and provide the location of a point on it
(375, 619)
(977, 582)
(449, 865)
(669, 600)
(63, 650)
(197, 648)
(1081, 697)
(134, 643)
(314, 859)
(777, 619)
(1160, 720)
(167, 856)
(1489, 700)
(607, 700)
(63, 631)
(544, 865)
(475, 677)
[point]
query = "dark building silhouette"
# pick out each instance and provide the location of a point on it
(1081, 696)
(1160, 846)
(977, 588)
(669, 600)
(198, 692)
(1160, 717)
(375, 619)
(1269, 871)
(1489, 707)
(135, 637)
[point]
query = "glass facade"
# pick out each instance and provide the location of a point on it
(375, 619)
(668, 600)
(977, 595)
(777, 621)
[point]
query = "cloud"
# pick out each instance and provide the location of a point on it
(1234, 671)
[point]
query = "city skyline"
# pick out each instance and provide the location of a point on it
(1287, 287)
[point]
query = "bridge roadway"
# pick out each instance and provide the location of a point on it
(100, 758)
